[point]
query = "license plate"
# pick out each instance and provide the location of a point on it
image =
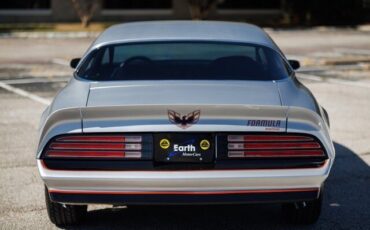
(184, 148)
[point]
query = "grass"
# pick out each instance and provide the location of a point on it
(52, 27)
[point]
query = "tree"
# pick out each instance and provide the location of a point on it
(199, 9)
(86, 9)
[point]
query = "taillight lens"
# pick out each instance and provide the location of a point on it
(97, 146)
(262, 146)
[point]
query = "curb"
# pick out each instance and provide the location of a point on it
(49, 35)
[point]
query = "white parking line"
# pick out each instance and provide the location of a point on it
(34, 80)
(24, 93)
(34, 97)
(309, 77)
(60, 61)
(350, 83)
(334, 80)
(354, 51)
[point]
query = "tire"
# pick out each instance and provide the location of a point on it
(303, 213)
(64, 215)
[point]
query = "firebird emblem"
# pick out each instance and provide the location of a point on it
(184, 121)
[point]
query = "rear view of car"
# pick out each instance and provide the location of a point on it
(184, 113)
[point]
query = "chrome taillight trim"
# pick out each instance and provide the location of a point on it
(97, 146)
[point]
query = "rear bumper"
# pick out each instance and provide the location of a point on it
(184, 198)
(184, 187)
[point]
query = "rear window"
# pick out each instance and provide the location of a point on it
(183, 61)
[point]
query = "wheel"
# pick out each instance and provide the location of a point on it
(302, 213)
(64, 215)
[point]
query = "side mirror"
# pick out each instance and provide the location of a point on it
(294, 64)
(74, 62)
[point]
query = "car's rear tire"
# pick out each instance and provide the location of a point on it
(64, 215)
(302, 213)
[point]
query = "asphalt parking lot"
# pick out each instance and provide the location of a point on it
(337, 70)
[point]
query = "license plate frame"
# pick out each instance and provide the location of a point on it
(184, 148)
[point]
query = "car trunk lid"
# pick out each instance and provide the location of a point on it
(184, 93)
(145, 106)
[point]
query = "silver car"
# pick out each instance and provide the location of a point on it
(184, 112)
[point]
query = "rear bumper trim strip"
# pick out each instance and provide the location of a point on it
(182, 198)
(182, 192)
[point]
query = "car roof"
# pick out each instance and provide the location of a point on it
(153, 31)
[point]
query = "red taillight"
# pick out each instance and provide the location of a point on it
(260, 146)
(96, 146)
(262, 138)
(96, 138)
